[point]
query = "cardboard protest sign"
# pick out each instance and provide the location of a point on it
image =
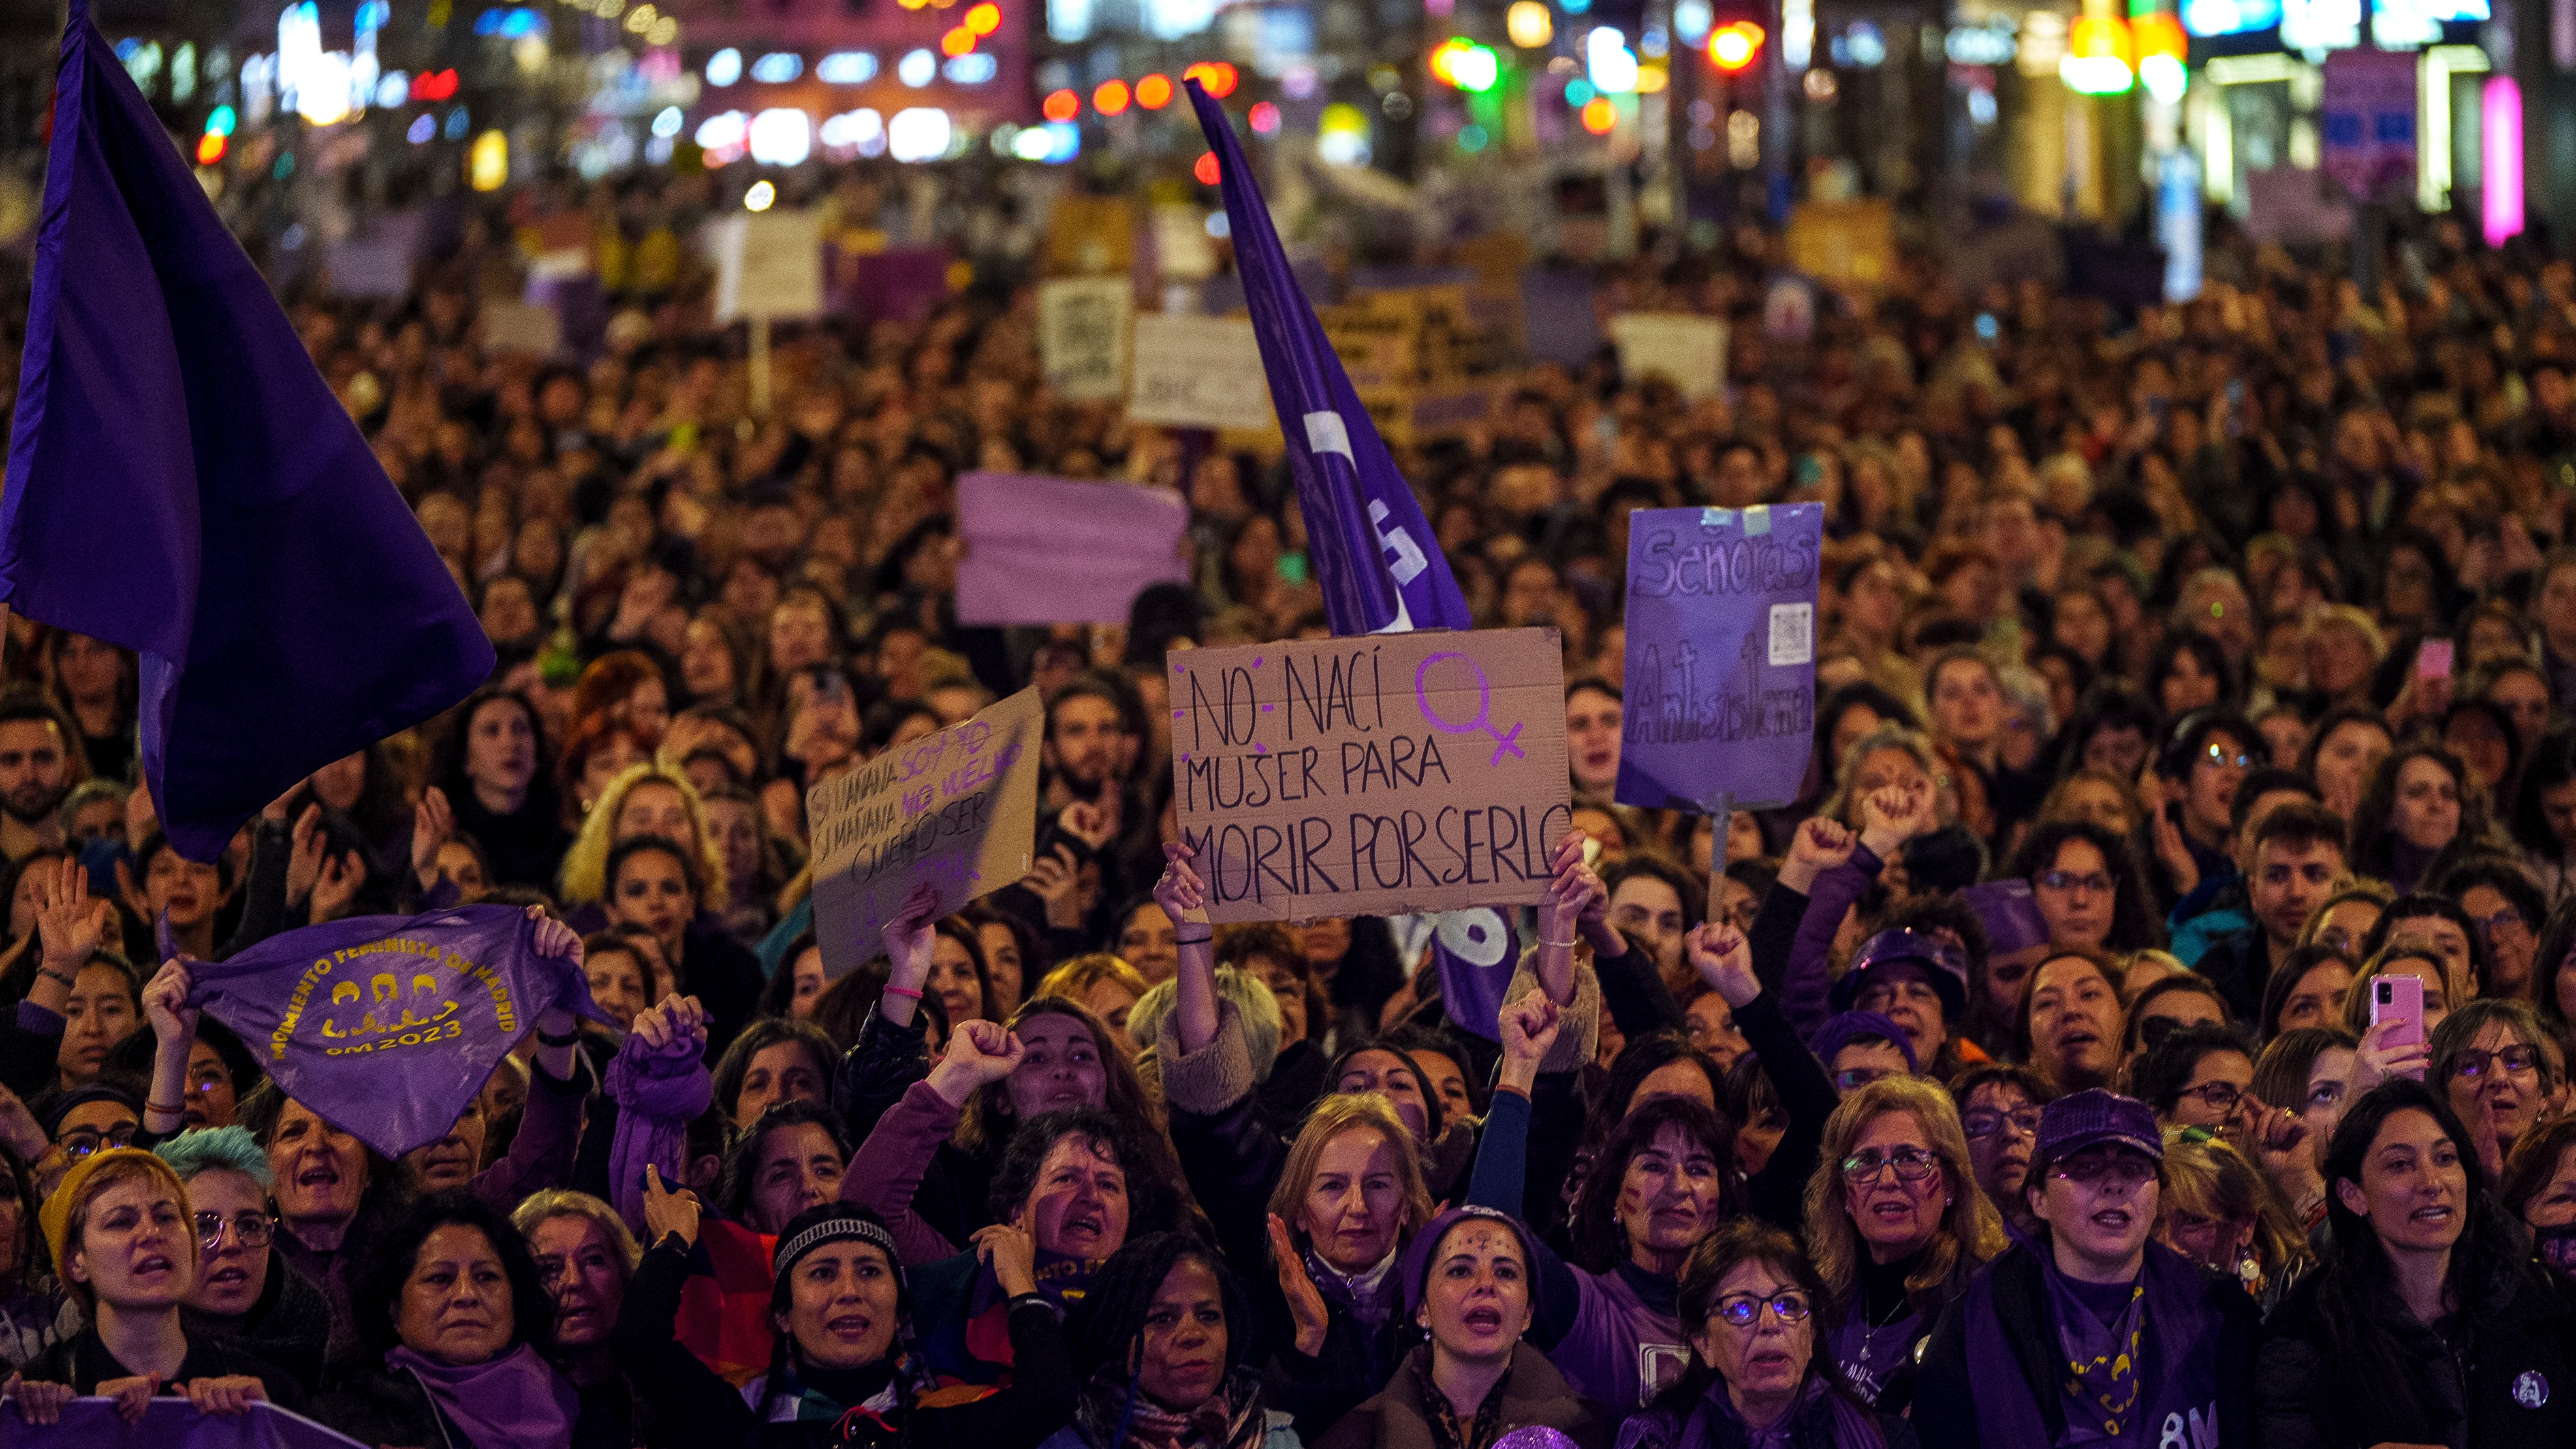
(1721, 698)
(1062, 551)
(1687, 350)
(768, 264)
(958, 810)
(1082, 337)
(1844, 243)
(1371, 775)
(1198, 372)
(513, 326)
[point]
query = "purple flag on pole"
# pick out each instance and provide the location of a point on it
(1475, 954)
(1374, 555)
(388, 1026)
(182, 482)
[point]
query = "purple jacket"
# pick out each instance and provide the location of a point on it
(886, 1171)
(1803, 987)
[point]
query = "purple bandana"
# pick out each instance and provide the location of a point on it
(515, 1399)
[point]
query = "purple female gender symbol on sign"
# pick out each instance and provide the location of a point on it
(1484, 709)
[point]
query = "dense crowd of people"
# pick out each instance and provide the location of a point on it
(2187, 681)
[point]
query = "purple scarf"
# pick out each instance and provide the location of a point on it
(2102, 1360)
(2177, 1358)
(1371, 1309)
(1871, 1356)
(515, 1401)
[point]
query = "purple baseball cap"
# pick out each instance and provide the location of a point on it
(2071, 1124)
(1945, 963)
(2010, 914)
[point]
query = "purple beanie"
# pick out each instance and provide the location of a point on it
(2072, 1123)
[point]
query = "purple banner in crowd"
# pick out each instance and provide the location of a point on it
(168, 1423)
(1063, 551)
(1374, 557)
(388, 1026)
(1721, 678)
(1475, 954)
(183, 482)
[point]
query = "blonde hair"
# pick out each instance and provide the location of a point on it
(1970, 1225)
(558, 1202)
(142, 1166)
(585, 865)
(2210, 1177)
(1074, 979)
(1345, 1112)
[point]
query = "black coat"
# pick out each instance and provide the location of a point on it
(2476, 1375)
(83, 1362)
(374, 1405)
(690, 1407)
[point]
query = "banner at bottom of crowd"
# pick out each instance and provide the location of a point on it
(387, 1026)
(169, 1422)
(958, 809)
(1371, 775)
(1720, 702)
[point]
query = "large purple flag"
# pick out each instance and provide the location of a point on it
(169, 1422)
(182, 482)
(388, 1026)
(1375, 557)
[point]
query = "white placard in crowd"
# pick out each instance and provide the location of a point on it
(768, 265)
(1198, 372)
(1082, 336)
(1688, 350)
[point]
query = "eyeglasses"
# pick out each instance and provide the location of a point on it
(1852, 1079)
(2098, 882)
(1982, 1125)
(82, 1141)
(252, 1229)
(1912, 1164)
(2219, 756)
(2471, 1064)
(2121, 1172)
(2506, 919)
(2220, 1096)
(1789, 1305)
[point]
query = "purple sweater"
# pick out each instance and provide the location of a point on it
(886, 1172)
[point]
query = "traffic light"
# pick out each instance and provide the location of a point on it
(1737, 31)
(1734, 46)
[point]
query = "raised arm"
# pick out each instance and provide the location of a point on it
(1529, 1028)
(174, 1034)
(660, 1083)
(1723, 960)
(908, 944)
(71, 923)
(1183, 897)
(1571, 889)
(688, 1399)
(885, 1173)
(1040, 1396)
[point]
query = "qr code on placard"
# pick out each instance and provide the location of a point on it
(1793, 633)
